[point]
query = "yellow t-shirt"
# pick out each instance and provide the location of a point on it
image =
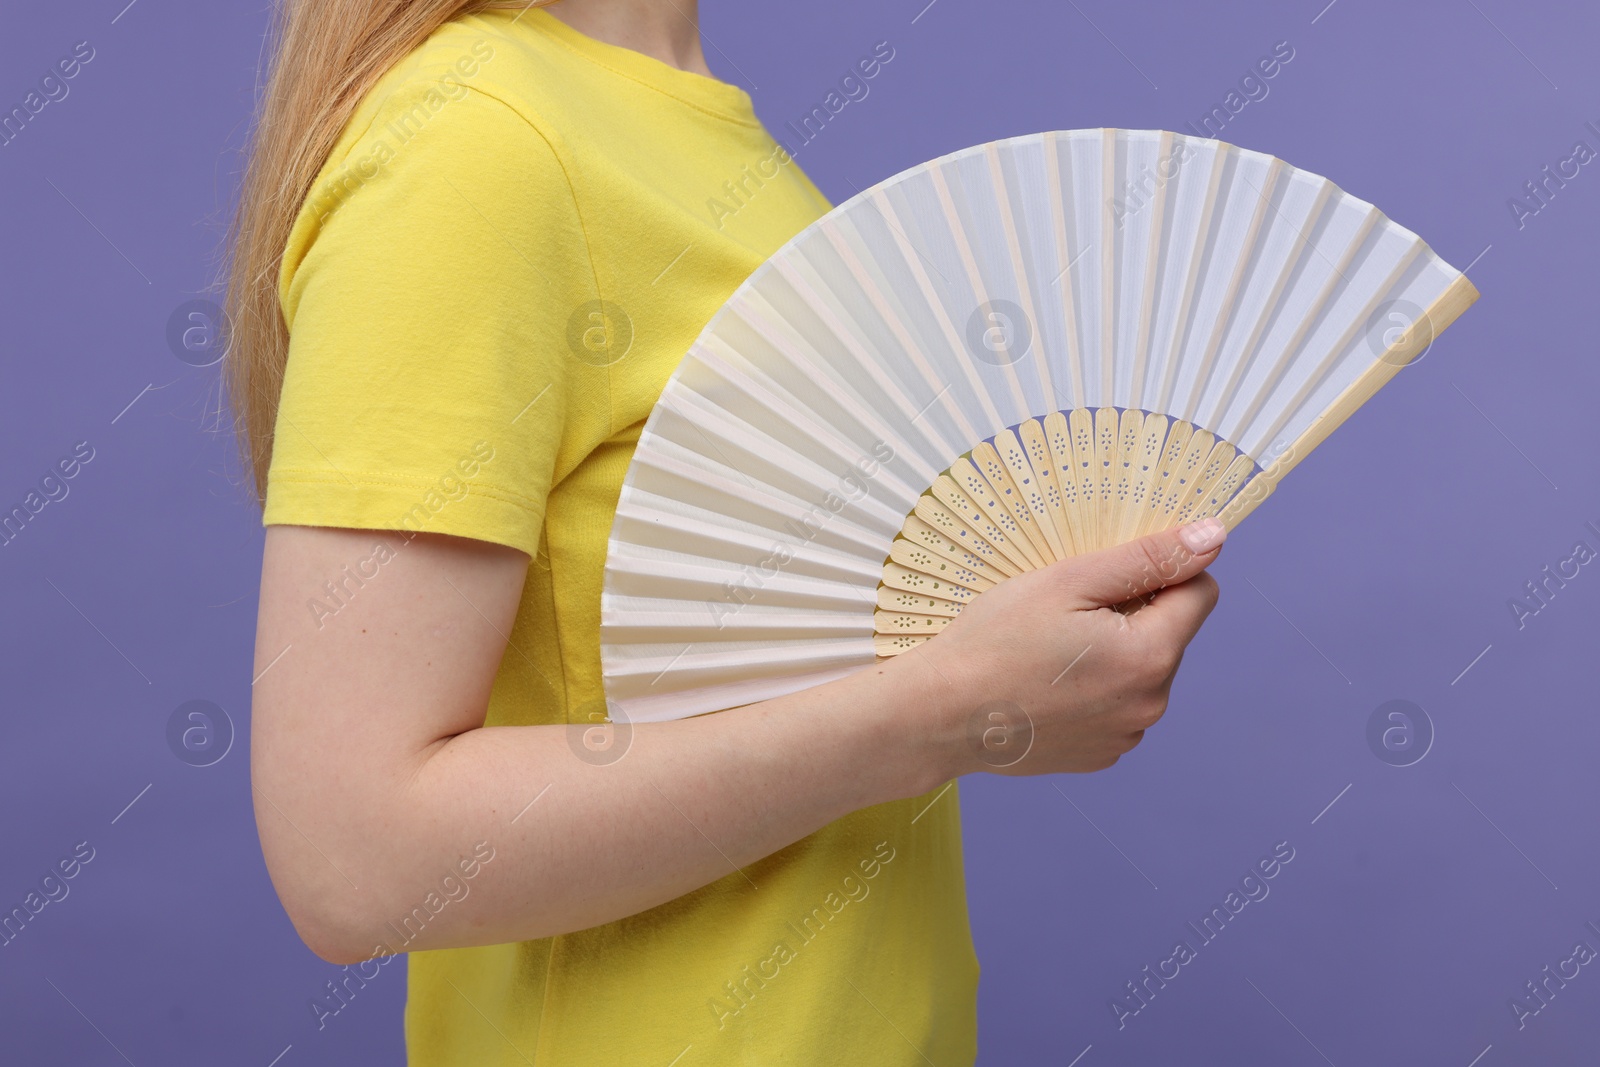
(512, 245)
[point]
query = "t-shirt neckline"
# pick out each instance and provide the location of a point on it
(721, 98)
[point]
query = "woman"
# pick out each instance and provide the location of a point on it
(473, 242)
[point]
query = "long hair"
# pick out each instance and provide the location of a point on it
(324, 56)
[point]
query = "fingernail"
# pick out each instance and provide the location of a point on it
(1201, 537)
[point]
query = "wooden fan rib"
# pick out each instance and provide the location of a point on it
(996, 474)
(1227, 487)
(952, 337)
(1313, 315)
(1102, 472)
(1197, 256)
(1108, 268)
(783, 405)
(1084, 163)
(940, 567)
(947, 522)
(1058, 432)
(895, 322)
(1033, 489)
(1130, 432)
(1020, 268)
(899, 622)
(1299, 249)
(974, 500)
(1081, 422)
(1318, 376)
(1445, 309)
(957, 232)
(1064, 256)
(1172, 452)
(1211, 471)
(1152, 441)
(1158, 206)
(1246, 259)
(1193, 461)
(899, 576)
(1044, 466)
(886, 645)
(795, 474)
(723, 494)
(902, 600)
(935, 527)
(919, 570)
(912, 443)
(981, 560)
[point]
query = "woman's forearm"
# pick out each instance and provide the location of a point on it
(392, 820)
(554, 843)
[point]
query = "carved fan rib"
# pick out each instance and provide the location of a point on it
(1042, 491)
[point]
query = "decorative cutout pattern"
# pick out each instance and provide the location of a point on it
(1085, 480)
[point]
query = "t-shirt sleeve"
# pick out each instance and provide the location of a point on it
(427, 286)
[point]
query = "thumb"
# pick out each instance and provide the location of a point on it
(1138, 568)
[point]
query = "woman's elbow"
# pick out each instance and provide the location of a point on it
(345, 953)
(332, 914)
(333, 928)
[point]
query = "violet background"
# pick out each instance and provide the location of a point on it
(1379, 571)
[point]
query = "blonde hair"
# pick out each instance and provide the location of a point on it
(324, 57)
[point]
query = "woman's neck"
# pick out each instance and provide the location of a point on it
(668, 30)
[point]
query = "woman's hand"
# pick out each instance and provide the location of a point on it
(1064, 668)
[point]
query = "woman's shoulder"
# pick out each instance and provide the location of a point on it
(522, 60)
(481, 62)
(437, 136)
(482, 55)
(455, 108)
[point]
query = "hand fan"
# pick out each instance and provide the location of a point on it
(1015, 353)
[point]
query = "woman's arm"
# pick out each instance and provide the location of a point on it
(374, 778)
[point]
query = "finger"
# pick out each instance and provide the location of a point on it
(1136, 569)
(1176, 615)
